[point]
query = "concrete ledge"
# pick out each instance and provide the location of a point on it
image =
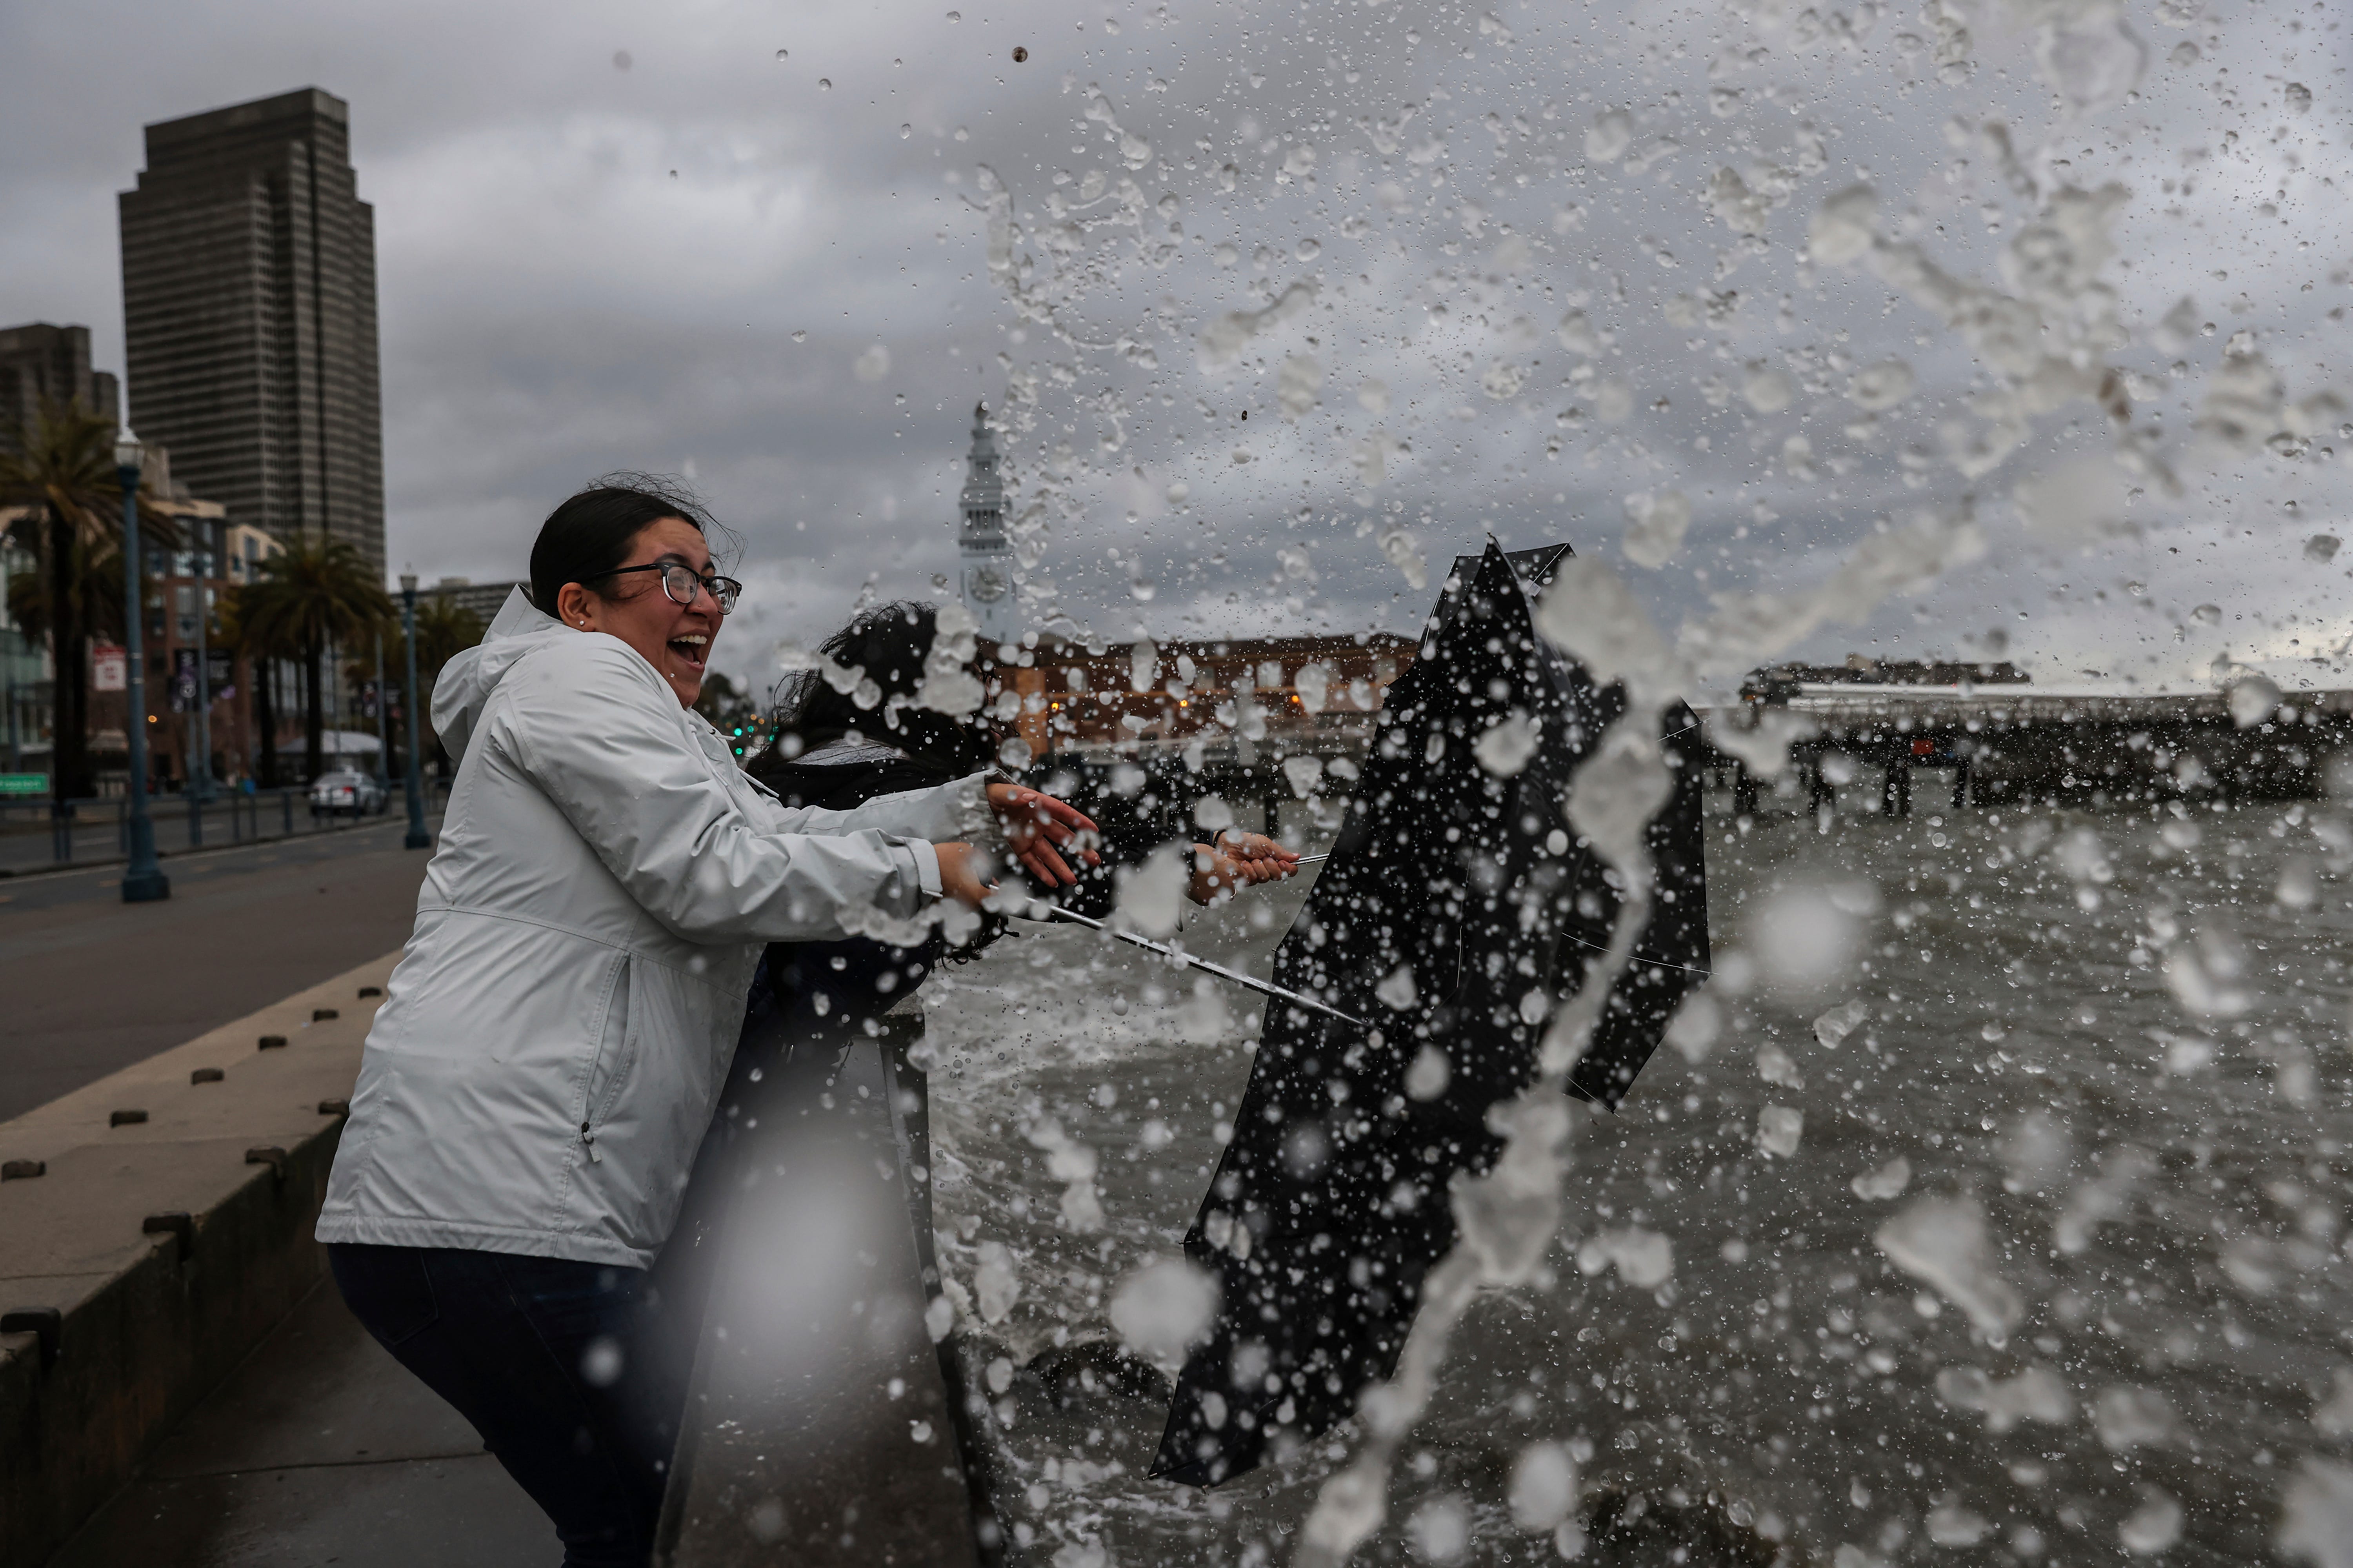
(151, 1319)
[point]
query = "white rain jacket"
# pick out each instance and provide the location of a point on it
(556, 1033)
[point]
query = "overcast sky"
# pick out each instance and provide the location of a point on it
(630, 236)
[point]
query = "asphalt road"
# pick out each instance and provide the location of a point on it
(89, 985)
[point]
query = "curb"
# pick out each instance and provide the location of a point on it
(155, 1226)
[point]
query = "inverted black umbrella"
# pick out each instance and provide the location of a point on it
(1458, 910)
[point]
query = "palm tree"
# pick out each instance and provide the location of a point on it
(443, 630)
(70, 513)
(237, 631)
(96, 606)
(362, 660)
(314, 592)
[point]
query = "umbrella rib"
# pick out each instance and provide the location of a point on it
(1264, 988)
(1638, 958)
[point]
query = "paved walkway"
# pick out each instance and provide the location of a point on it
(321, 1449)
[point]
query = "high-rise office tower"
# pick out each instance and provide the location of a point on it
(249, 304)
(986, 558)
(42, 363)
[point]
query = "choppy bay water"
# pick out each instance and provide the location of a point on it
(2160, 1303)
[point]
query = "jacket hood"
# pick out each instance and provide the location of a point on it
(468, 680)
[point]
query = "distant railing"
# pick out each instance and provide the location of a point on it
(36, 834)
(1344, 733)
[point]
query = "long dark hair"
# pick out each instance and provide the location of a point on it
(887, 645)
(588, 538)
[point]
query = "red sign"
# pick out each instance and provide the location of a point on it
(110, 668)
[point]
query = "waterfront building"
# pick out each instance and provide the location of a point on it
(25, 692)
(248, 302)
(484, 599)
(43, 364)
(985, 578)
(1118, 697)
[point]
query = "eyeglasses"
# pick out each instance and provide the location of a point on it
(679, 583)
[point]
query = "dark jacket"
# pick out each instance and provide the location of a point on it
(855, 976)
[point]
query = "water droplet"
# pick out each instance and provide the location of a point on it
(1020, 53)
(956, 16)
(801, 337)
(905, 131)
(961, 134)
(621, 60)
(1611, 134)
(825, 84)
(783, 54)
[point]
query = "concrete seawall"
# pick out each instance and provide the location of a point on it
(167, 1229)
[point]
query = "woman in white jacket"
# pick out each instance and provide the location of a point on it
(554, 1036)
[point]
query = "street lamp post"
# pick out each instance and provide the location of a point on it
(145, 883)
(200, 776)
(417, 837)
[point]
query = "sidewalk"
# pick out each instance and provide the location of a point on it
(313, 1447)
(205, 1398)
(319, 1449)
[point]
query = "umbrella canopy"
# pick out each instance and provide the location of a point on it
(1458, 910)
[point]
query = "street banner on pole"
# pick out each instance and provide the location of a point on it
(184, 679)
(110, 668)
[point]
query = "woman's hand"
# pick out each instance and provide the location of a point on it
(1040, 830)
(960, 874)
(1237, 860)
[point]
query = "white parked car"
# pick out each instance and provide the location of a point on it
(348, 792)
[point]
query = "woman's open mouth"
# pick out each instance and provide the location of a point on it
(690, 649)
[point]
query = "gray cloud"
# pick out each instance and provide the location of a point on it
(556, 301)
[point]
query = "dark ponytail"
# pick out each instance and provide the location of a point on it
(887, 643)
(589, 537)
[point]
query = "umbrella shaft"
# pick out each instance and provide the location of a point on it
(1264, 988)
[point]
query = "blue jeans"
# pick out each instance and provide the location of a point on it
(560, 1366)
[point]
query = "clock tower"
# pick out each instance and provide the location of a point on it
(986, 581)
